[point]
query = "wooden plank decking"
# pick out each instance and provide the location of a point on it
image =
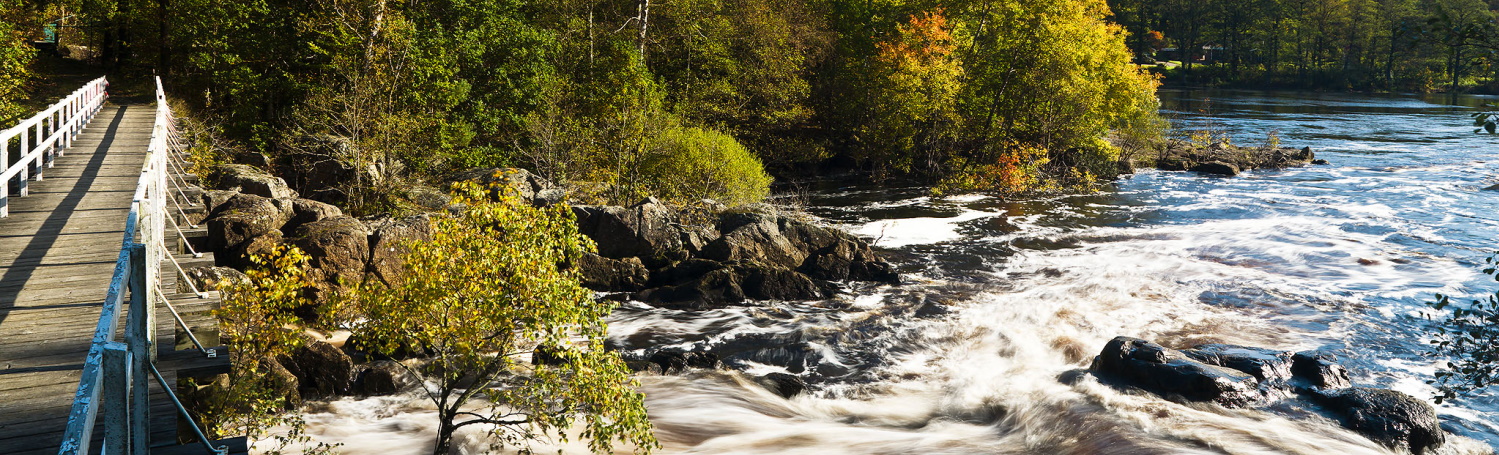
(57, 253)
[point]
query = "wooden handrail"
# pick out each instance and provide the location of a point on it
(45, 136)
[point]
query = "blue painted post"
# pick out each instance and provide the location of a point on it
(138, 335)
(114, 398)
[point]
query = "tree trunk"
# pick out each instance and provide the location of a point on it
(444, 432)
(644, 16)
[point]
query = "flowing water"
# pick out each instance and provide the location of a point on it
(1004, 297)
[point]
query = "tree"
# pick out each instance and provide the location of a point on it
(1468, 335)
(15, 62)
(914, 83)
(490, 286)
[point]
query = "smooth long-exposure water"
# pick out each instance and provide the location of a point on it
(1003, 297)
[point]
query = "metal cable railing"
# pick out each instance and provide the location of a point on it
(115, 375)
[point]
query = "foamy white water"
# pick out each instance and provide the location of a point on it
(1003, 298)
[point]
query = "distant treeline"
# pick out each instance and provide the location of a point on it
(627, 95)
(1398, 45)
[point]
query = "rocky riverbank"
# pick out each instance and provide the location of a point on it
(1221, 158)
(647, 251)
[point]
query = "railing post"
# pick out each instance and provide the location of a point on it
(4, 183)
(25, 149)
(115, 395)
(140, 335)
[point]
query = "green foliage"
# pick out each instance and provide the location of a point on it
(258, 326)
(1468, 335)
(489, 287)
(16, 55)
(690, 164)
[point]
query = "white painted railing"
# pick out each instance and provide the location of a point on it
(115, 378)
(46, 136)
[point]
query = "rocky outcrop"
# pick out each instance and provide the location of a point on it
(322, 370)
(1169, 373)
(243, 217)
(522, 183)
(212, 278)
(1319, 370)
(605, 274)
(1388, 417)
(390, 240)
(1229, 160)
(756, 253)
(338, 250)
(249, 180)
(783, 384)
(675, 361)
(1239, 376)
(382, 377)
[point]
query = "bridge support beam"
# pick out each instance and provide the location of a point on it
(140, 336)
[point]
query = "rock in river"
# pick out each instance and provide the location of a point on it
(1166, 372)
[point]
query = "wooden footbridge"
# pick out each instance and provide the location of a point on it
(92, 243)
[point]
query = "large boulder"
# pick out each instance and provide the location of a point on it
(338, 249)
(382, 377)
(213, 278)
(669, 361)
(323, 166)
(390, 241)
(249, 180)
(1391, 418)
(1167, 372)
(1267, 365)
(647, 230)
(783, 384)
(239, 256)
(1319, 369)
(321, 369)
(1217, 168)
(781, 284)
(605, 274)
(305, 211)
(714, 289)
(754, 237)
(243, 217)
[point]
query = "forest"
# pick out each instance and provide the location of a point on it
(622, 99)
(1368, 45)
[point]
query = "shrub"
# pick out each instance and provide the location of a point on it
(494, 285)
(690, 164)
(1469, 336)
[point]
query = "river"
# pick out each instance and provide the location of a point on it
(1003, 297)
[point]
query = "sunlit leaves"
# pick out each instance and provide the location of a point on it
(489, 287)
(1469, 335)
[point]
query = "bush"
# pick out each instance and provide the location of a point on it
(1469, 336)
(690, 164)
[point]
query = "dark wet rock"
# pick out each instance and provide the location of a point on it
(1267, 365)
(305, 211)
(646, 230)
(695, 238)
(684, 271)
(605, 274)
(1217, 168)
(282, 383)
(338, 250)
(783, 384)
(1170, 373)
(243, 217)
(776, 284)
(754, 238)
(213, 278)
(713, 290)
(674, 361)
(1320, 162)
(321, 369)
(382, 377)
(1225, 159)
(1319, 370)
(1391, 418)
(249, 180)
(786, 350)
(390, 241)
